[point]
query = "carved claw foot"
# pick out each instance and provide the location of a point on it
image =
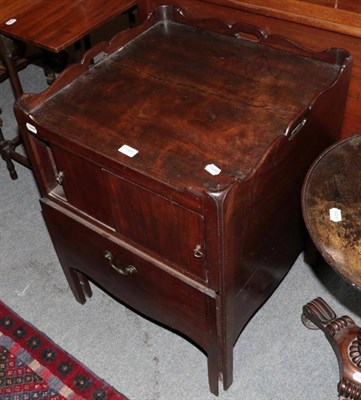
(345, 337)
(317, 314)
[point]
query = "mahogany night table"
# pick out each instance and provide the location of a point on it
(170, 170)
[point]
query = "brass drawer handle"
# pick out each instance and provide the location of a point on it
(128, 270)
(197, 252)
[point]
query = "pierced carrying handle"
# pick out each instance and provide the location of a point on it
(248, 32)
(297, 128)
(88, 57)
(297, 124)
(239, 29)
(127, 270)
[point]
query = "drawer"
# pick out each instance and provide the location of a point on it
(166, 228)
(148, 287)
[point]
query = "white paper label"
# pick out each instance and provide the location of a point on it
(335, 215)
(128, 151)
(212, 169)
(31, 128)
(10, 21)
(357, 376)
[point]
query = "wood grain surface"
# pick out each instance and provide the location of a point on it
(54, 25)
(334, 182)
(200, 101)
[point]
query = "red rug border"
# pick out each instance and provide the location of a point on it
(12, 326)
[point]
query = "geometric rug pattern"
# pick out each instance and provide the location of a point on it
(32, 367)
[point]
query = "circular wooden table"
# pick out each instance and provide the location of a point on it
(331, 204)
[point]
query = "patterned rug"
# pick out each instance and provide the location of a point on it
(32, 367)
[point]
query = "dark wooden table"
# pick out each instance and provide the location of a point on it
(50, 25)
(332, 211)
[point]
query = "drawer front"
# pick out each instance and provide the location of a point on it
(171, 231)
(146, 287)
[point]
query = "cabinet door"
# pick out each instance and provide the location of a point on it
(168, 229)
(160, 225)
(84, 185)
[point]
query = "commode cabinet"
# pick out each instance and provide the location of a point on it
(170, 168)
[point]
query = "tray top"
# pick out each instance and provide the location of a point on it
(332, 210)
(186, 97)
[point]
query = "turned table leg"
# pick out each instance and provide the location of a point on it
(7, 147)
(345, 338)
(7, 52)
(5, 153)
